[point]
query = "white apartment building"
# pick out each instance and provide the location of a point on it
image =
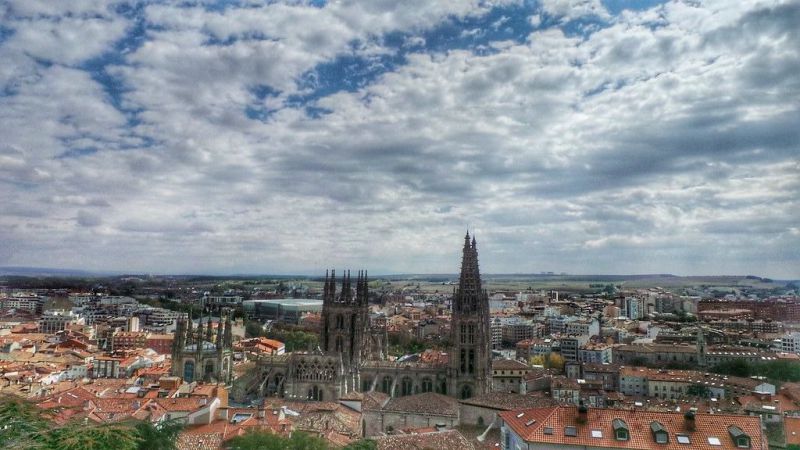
(57, 320)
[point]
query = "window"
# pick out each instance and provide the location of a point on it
(714, 441)
(597, 434)
(547, 430)
(570, 431)
(621, 432)
(741, 439)
(683, 439)
(406, 386)
(427, 385)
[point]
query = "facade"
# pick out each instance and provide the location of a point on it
(570, 346)
(353, 347)
(507, 375)
(533, 347)
(128, 340)
(584, 327)
(600, 353)
(32, 303)
(196, 355)
(634, 307)
(55, 321)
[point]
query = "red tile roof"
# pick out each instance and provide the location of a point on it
(530, 424)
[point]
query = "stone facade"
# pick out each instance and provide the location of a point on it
(198, 355)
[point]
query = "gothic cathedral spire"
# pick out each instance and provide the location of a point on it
(471, 359)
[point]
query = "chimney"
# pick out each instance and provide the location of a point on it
(583, 413)
(261, 411)
(689, 420)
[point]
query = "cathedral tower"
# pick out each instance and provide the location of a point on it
(471, 358)
(345, 323)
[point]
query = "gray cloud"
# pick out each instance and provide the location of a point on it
(663, 142)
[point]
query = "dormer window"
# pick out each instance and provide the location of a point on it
(621, 431)
(659, 432)
(741, 439)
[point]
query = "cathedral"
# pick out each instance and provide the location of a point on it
(199, 354)
(352, 355)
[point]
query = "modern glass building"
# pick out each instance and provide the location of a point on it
(288, 310)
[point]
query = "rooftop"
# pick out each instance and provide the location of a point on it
(560, 425)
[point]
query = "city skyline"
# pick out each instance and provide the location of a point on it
(232, 138)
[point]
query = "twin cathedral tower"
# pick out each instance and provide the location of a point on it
(352, 355)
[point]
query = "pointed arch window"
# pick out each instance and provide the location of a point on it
(406, 386)
(466, 391)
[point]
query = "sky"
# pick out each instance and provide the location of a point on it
(222, 137)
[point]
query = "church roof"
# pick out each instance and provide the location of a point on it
(426, 403)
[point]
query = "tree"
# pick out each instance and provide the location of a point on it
(27, 426)
(698, 390)
(555, 361)
(23, 424)
(264, 440)
(253, 329)
(363, 444)
(79, 436)
(161, 436)
(736, 367)
(548, 361)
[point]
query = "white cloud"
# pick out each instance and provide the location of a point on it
(642, 147)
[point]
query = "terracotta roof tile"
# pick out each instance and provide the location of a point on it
(439, 440)
(531, 424)
(427, 403)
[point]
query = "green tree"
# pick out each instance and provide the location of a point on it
(698, 390)
(161, 436)
(253, 329)
(26, 426)
(736, 367)
(79, 436)
(23, 424)
(263, 440)
(363, 444)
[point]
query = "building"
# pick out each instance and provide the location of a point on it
(222, 301)
(471, 359)
(570, 346)
(570, 427)
(353, 347)
(583, 327)
(160, 343)
(596, 352)
(790, 342)
(497, 333)
(196, 355)
(675, 384)
(57, 320)
(27, 302)
(633, 307)
(507, 375)
(533, 347)
(288, 310)
(128, 340)
(518, 330)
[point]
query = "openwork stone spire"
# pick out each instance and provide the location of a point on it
(471, 359)
(469, 291)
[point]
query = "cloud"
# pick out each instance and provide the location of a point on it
(289, 138)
